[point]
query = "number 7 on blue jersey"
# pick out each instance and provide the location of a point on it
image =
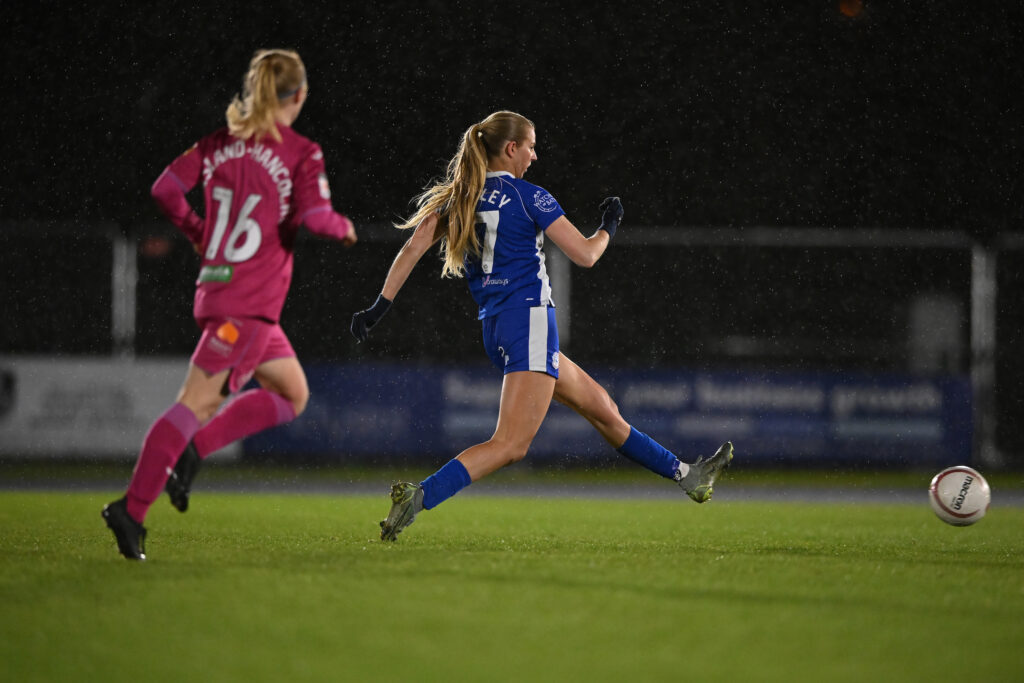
(489, 219)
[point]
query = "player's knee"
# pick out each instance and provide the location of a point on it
(516, 451)
(205, 411)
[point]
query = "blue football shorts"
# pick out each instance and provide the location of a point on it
(519, 339)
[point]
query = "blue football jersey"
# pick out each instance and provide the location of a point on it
(511, 218)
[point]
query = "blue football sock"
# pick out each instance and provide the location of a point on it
(445, 483)
(644, 450)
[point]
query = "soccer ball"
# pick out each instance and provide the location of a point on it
(959, 495)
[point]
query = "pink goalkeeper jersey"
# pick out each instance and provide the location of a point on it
(257, 195)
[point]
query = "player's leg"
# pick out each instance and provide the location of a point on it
(579, 391)
(286, 378)
(524, 344)
(525, 398)
(266, 355)
(199, 398)
(281, 397)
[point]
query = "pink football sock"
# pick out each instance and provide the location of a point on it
(250, 412)
(163, 444)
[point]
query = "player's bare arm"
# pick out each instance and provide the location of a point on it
(583, 251)
(426, 235)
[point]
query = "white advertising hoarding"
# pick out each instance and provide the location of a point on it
(59, 407)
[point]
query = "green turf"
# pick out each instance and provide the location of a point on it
(614, 472)
(296, 588)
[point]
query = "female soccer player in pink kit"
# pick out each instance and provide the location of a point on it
(261, 181)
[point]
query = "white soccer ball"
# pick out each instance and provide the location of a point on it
(959, 495)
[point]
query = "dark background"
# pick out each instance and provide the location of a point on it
(835, 115)
(697, 113)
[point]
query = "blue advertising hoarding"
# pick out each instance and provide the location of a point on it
(434, 412)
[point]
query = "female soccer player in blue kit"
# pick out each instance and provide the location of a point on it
(491, 224)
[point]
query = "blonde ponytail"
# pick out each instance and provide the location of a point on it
(456, 197)
(273, 75)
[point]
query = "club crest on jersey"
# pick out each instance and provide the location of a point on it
(544, 201)
(325, 189)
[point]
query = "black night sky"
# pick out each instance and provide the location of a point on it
(700, 113)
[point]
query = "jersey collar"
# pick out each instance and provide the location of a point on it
(495, 174)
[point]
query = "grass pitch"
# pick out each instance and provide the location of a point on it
(297, 588)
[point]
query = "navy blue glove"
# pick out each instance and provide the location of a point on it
(612, 208)
(363, 321)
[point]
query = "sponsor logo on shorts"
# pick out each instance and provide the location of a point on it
(544, 201)
(554, 360)
(223, 339)
(217, 346)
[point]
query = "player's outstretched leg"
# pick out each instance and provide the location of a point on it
(179, 483)
(699, 481)
(406, 502)
(130, 535)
